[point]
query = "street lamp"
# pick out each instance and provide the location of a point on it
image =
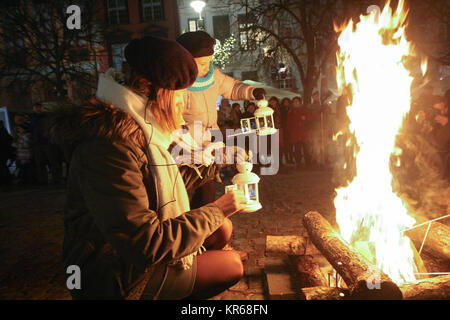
(198, 6)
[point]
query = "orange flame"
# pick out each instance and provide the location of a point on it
(370, 62)
(423, 66)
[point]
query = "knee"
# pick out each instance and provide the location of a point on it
(236, 267)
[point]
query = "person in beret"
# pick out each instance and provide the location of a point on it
(200, 113)
(128, 223)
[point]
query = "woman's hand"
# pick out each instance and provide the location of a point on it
(231, 202)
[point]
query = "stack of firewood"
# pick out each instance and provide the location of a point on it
(361, 280)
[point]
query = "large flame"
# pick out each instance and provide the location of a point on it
(370, 216)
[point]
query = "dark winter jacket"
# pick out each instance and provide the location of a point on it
(6, 147)
(112, 231)
(38, 127)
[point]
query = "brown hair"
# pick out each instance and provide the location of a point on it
(160, 103)
(298, 98)
(282, 103)
(273, 98)
(163, 109)
(251, 104)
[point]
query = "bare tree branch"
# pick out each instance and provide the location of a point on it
(36, 45)
(301, 28)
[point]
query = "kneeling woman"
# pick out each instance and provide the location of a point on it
(128, 225)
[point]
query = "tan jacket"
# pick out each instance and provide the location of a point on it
(201, 105)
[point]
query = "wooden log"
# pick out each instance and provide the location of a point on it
(437, 288)
(290, 245)
(324, 293)
(365, 281)
(421, 268)
(308, 272)
(434, 264)
(437, 243)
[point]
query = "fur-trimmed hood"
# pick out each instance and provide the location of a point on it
(71, 125)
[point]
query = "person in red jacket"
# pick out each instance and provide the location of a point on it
(299, 121)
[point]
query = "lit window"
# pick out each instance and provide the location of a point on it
(117, 12)
(117, 53)
(79, 50)
(246, 36)
(152, 10)
(193, 25)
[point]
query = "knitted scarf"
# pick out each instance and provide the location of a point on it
(203, 83)
(171, 202)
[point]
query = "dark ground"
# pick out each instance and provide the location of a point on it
(31, 233)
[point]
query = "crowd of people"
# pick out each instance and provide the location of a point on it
(38, 162)
(304, 129)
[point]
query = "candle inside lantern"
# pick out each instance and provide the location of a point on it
(264, 119)
(247, 181)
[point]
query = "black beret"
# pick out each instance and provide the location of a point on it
(198, 43)
(163, 62)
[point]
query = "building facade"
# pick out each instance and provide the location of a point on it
(119, 22)
(123, 20)
(129, 19)
(222, 19)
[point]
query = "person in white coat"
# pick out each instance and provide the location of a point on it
(200, 113)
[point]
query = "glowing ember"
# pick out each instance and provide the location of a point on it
(369, 214)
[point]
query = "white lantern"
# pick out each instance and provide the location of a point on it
(248, 125)
(264, 119)
(247, 182)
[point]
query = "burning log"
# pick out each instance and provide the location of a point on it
(324, 293)
(309, 272)
(437, 243)
(363, 280)
(421, 268)
(290, 245)
(427, 289)
(434, 264)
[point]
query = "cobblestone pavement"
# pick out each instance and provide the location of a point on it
(31, 233)
(285, 198)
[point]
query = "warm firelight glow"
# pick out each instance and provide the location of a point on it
(423, 66)
(336, 136)
(370, 216)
